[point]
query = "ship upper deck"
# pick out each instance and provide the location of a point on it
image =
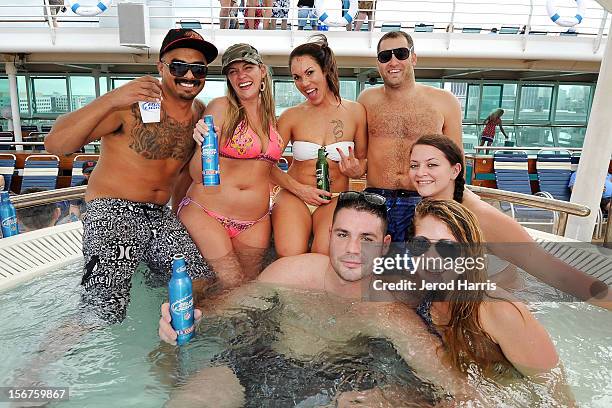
(449, 35)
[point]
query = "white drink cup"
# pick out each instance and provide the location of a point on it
(150, 112)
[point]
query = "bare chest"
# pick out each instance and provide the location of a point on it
(407, 120)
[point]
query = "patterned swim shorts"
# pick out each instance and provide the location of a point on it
(117, 236)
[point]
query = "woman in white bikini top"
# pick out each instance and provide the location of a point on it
(303, 151)
(324, 119)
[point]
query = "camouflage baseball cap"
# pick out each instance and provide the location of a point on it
(240, 52)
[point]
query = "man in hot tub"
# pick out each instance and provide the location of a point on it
(315, 350)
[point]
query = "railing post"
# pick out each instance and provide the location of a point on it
(50, 20)
(528, 25)
(602, 26)
(559, 229)
(451, 25)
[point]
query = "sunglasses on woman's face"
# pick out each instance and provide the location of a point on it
(400, 53)
(179, 69)
(446, 248)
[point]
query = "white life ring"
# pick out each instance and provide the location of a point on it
(553, 13)
(322, 6)
(89, 11)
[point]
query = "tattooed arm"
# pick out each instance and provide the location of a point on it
(99, 118)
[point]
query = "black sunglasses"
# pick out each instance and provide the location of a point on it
(372, 198)
(447, 249)
(179, 69)
(400, 53)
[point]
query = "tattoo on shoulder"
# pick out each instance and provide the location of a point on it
(168, 139)
(338, 129)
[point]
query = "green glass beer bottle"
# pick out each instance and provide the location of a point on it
(322, 171)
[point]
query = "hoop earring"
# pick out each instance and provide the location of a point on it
(262, 86)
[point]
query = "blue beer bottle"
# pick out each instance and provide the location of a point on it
(8, 216)
(180, 295)
(210, 155)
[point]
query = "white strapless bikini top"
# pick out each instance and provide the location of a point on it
(309, 151)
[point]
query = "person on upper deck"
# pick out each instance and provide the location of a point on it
(323, 120)
(399, 112)
(490, 124)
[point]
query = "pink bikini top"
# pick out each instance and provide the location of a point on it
(245, 144)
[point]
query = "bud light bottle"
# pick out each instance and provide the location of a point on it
(181, 301)
(8, 216)
(322, 171)
(210, 155)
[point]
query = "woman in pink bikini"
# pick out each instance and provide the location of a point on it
(230, 223)
(324, 119)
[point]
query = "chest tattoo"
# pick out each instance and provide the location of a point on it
(168, 139)
(337, 129)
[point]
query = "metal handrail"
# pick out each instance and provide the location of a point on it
(564, 208)
(482, 13)
(48, 197)
(532, 201)
(538, 148)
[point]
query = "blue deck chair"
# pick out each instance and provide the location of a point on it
(27, 129)
(6, 137)
(575, 160)
(554, 171)
(512, 174)
(40, 171)
(7, 168)
(77, 167)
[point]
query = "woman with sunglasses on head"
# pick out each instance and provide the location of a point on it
(323, 120)
(482, 329)
(230, 223)
(436, 169)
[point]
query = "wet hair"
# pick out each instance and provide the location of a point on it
(38, 216)
(464, 338)
(395, 34)
(362, 205)
(318, 49)
(453, 154)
